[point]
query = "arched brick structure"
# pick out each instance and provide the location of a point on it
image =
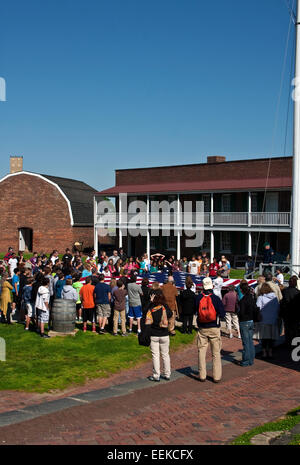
(59, 211)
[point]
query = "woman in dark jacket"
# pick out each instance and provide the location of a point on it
(289, 310)
(157, 317)
(246, 315)
(188, 306)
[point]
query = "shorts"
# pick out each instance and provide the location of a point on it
(89, 314)
(103, 310)
(135, 312)
(43, 316)
(30, 310)
(78, 306)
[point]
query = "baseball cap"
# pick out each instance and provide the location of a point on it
(207, 284)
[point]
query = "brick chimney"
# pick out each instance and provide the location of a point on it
(216, 159)
(16, 164)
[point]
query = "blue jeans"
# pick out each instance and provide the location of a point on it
(246, 328)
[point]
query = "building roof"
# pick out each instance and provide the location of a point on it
(80, 196)
(238, 175)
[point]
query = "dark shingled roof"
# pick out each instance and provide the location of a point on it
(81, 197)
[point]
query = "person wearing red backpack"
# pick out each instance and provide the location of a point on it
(209, 311)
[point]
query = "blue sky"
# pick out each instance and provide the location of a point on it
(94, 85)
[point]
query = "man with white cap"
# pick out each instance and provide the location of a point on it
(209, 311)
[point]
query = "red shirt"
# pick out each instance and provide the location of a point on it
(213, 268)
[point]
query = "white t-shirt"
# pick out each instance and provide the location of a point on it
(12, 263)
(218, 284)
(194, 265)
(280, 278)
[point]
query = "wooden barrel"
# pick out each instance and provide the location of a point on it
(63, 315)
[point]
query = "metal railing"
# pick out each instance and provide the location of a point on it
(207, 219)
(286, 266)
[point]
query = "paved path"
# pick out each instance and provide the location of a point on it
(126, 409)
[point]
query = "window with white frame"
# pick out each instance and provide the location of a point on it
(152, 243)
(226, 202)
(225, 242)
(206, 200)
(171, 243)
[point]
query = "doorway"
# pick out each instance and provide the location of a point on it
(25, 239)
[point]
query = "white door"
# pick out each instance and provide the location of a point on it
(22, 243)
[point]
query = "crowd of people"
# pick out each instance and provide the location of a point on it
(29, 288)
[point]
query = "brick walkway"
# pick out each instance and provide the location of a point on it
(183, 411)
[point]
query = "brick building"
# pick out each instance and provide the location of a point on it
(39, 212)
(246, 203)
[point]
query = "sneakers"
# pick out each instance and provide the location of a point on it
(115, 334)
(45, 336)
(124, 334)
(151, 378)
(166, 378)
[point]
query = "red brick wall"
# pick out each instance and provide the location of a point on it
(243, 169)
(28, 201)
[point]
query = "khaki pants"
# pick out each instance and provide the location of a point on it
(213, 337)
(171, 325)
(116, 321)
(232, 320)
(160, 346)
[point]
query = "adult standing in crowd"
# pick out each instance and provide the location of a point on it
(157, 317)
(246, 315)
(218, 284)
(86, 294)
(5, 299)
(290, 310)
(170, 293)
(135, 304)
(188, 306)
(42, 303)
(230, 302)
(102, 297)
(267, 330)
(210, 310)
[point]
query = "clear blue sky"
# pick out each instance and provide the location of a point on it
(97, 85)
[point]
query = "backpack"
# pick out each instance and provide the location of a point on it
(206, 311)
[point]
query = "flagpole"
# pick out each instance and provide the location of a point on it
(295, 252)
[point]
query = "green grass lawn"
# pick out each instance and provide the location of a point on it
(40, 365)
(291, 419)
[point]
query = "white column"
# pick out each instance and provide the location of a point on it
(211, 209)
(250, 244)
(178, 228)
(249, 209)
(295, 251)
(148, 232)
(120, 222)
(95, 227)
(212, 246)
